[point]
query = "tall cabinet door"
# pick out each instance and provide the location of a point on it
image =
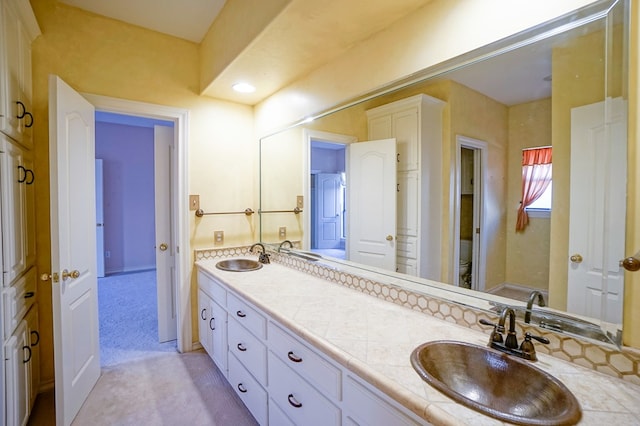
(17, 357)
(14, 178)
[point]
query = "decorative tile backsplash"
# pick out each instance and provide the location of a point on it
(624, 364)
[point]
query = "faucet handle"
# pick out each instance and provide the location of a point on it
(527, 348)
(496, 334)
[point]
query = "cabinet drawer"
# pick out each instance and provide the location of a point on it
(249, 390)
(365, 407)
(248, 349)
(17, 300)
(250, 318)
(300, 401)
(277, 416)
(407, 247)
(212, 288)
(305, 361)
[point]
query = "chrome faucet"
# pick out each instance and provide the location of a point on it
(532, 297)
(264, 256)
(510, 346)
(283, 243)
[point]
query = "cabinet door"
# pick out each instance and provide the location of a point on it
(33, 366)
(17, 357)
(406, 131)
(13, 181)
(218, 327)
(204, 330)
(408, 207)
(16, 104)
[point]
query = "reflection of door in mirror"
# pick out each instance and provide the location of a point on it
(371, 203)
(596, 233)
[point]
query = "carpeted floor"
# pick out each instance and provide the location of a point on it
(127, 305)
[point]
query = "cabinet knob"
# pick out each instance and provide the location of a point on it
(389, 238)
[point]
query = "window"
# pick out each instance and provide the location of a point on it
(536, 185)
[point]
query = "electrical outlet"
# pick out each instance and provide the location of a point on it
(218, 237)
(282, 231)
(300, 201)
(194, 202)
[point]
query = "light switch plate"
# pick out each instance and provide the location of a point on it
(300, 201)
(218, 237)
(194, 202)
(282, 232)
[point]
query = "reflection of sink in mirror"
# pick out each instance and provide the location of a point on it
(495, 384)
(239, 265)
(556, 321)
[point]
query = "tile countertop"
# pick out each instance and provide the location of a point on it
(374, 338)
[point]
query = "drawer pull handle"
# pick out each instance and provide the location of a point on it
(33, 176)
(241, 347)
(241, 314)
(28, 349)
(28, 114)
(203, 315)
(29, 294)
(293, 401)
(35, 333)
(293, 357)
(24, 171)
(20, 114)
(212, 321)
(241, 388)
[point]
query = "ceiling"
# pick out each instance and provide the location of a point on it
(187, 19)
(304, 36)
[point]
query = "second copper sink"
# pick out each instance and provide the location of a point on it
(238, 265)
(495, 384)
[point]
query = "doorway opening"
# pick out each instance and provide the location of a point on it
(325, 193)
(469, 246)
(129, 207)
(328, 198)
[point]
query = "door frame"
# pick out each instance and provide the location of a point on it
(309, 135)
(180, 118)
(479, 245)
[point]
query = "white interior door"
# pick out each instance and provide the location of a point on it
(328, 211)
(597, 211)
(73, 248)
(99, 219)
(371, 203)
(165, 246)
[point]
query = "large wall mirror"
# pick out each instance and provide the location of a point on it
(460, 132)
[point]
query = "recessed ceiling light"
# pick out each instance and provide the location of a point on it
(244, 88)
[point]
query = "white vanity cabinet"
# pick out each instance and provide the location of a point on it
(416, 123)
(284, 380)
(17, 354)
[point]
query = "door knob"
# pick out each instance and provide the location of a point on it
(163, 247)
(73, 274)
(631, 263)
(576, 258)
(389, 237)
(47, 277)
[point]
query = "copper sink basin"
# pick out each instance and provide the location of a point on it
(495, 384)
(238, 265)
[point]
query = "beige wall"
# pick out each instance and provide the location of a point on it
(528, 251)
(106, 57)
(569, 91)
